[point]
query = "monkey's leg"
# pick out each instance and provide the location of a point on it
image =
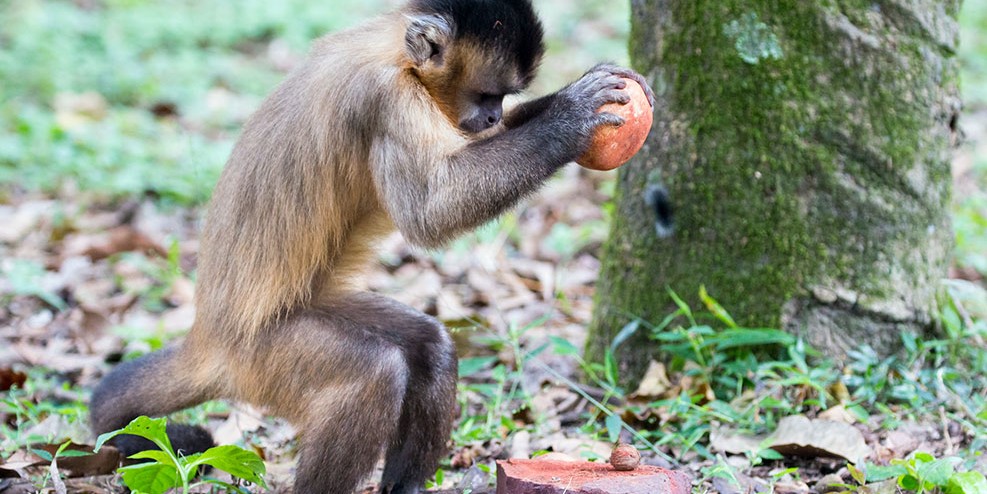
(347, 374)
(339, 382)
(341, 445)
(427, 411)
(155, 384)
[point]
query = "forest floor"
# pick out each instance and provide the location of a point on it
(99, 222)
(89, 282)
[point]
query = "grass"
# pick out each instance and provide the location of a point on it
(142, 97)
(43, 398)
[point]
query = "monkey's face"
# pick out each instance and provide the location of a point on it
(469, 84)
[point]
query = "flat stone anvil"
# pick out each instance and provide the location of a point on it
(536, 476)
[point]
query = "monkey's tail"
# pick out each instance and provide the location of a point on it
(152, 385)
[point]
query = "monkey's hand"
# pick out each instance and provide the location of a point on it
(573, 112)
(628, 74)
(530, 110)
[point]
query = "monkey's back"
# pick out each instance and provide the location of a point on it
(295, 211)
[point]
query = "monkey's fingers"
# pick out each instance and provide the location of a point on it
(629, 74)
(617, 95)
(607, 118)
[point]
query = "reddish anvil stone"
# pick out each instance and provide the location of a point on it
(583, 477)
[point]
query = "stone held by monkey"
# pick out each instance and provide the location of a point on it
(395, 124)
(611, 147)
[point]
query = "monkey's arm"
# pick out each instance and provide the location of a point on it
(524, 112)
(434, 192)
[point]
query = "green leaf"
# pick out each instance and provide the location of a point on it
(683, 307)
(61, 448)
(665, 322)
(563, 347)
(781, 473)
(626, 332)
(44, 455)
(967, 483)
(153, 454)
(152, 478)
(716, 308)
(770, 454)
(73, 453)
(908, 482)
(536, 352)
(25, 278)
(937, 472)
(472, 365)
(858, 411)
(148, 428)
(744, 337)
(857, 474)
(610, 367)
(614, 424)
(235, 461)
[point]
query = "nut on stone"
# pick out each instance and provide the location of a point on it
(624, 457)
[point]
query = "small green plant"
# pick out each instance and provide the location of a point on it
(28, 406)
(167, 470)
(162, 274)
(437, 480)
(723, 470)
(53, 474)
(920, 473)
(501, 392)
(924, 473)
(604, 375)
(742, 376)
(25, 278)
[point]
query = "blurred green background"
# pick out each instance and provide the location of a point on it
(132, 96)
(118, 98)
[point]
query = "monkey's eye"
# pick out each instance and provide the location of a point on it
(489, 99)
(435, 52)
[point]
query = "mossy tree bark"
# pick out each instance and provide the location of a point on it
(805, 149)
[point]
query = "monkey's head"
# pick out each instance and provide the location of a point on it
(469, 54)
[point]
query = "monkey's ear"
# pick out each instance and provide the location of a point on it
(427, 38)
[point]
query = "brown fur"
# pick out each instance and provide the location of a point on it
(362, 138)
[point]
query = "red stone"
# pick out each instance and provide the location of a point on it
(583, 477)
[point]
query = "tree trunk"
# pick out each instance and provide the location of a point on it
(804, 147)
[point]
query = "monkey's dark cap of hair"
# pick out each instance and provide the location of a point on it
(508, 26)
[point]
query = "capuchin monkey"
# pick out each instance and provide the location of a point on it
(396, 124)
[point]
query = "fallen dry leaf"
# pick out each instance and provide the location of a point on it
(13, 467)
(654, 383)
(242, 419)
(839, 413)
(799, 436)
(21, 219)
(733, 442)
(124, 238)
(9, 378)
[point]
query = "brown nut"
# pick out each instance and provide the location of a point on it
(613, 146)
(624, 457)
